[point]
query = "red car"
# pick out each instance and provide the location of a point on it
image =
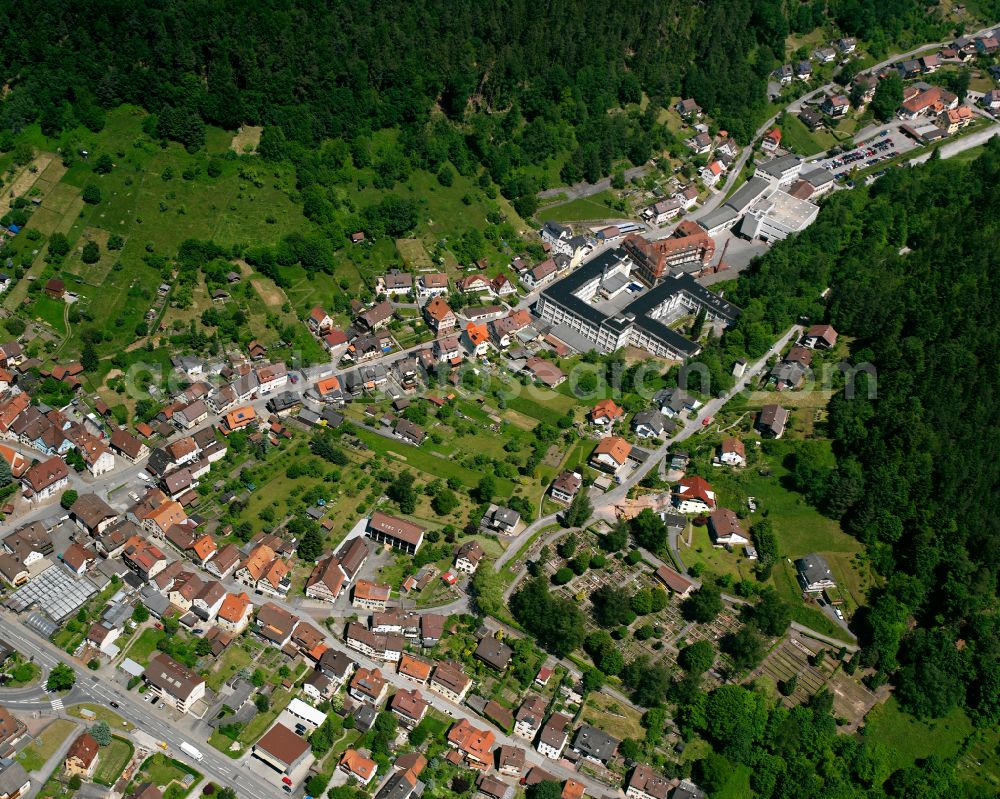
(706, 421)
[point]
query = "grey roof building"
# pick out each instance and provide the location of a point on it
(814, 573)
(595, 744)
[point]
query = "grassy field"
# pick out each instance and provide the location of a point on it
(35, 754)
(799, 139)
(593, 207)
(162, 771)
(232, 660)
(424, 461)
(611, 716)
(145, 645)
(113, 759)
(101, 713)
(908, 739)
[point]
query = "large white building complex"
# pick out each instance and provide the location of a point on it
(589, 302)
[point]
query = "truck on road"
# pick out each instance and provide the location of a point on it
(190, 751)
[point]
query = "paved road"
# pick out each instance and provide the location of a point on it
(585, 189)
(605, 507)
(949, 149)
(214, 765)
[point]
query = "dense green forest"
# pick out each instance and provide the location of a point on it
(519, 82)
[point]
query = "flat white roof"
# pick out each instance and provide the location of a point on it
(299, 708)
(788, 211)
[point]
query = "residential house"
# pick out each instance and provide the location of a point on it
(661, 212)
(812, 119)
(540, 275)
(494, 653)
(388, 647)
(92, 514)
(225, 561)
(468, 557)
(370, 596)
(190, 415)
(726, 530)
(825, 55)
(652, 424)
(336, 666)
(275, 624)
(265, 571)
(606, 412)
(409, 433)
(78, 559)
(14, 781)
(544, 372)
(82, 756)
(473, 284)
(473, 744)
(771, 140)
(409, 706)
(732, 452)
(317, 686)
(594, 744)
(772, 421)
(432, 285)
(355, 765)
(505, 520)
(415, 669)
(431, 629)
(209, 600)
(128, 446)
(611, 454)
(352, 556)
(553, 737)
(368, 685)
(376, 317)
(327, 580)
(400, 785)
(565, 486)
(502, 286)
(439, 316)
(784, 74)
(803, 70)
(712, 173)
(836, 105)
(46, 479)
(820, 337)
(694, 495)
(143, 558)
(699, 144)
(395, 284)
(178, 686)
(814, 574)
(319, 321)
(675, 402)
(510, 761)
(449, 680)
(234, 613)
(644, 783)
(529, 717)
(272, 377)
(476, 339)
(688, 109)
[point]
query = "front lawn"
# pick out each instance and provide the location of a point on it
(35, 754)
(113, 759)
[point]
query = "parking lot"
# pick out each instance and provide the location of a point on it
(883, 147)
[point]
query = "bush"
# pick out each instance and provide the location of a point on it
(91, 194)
